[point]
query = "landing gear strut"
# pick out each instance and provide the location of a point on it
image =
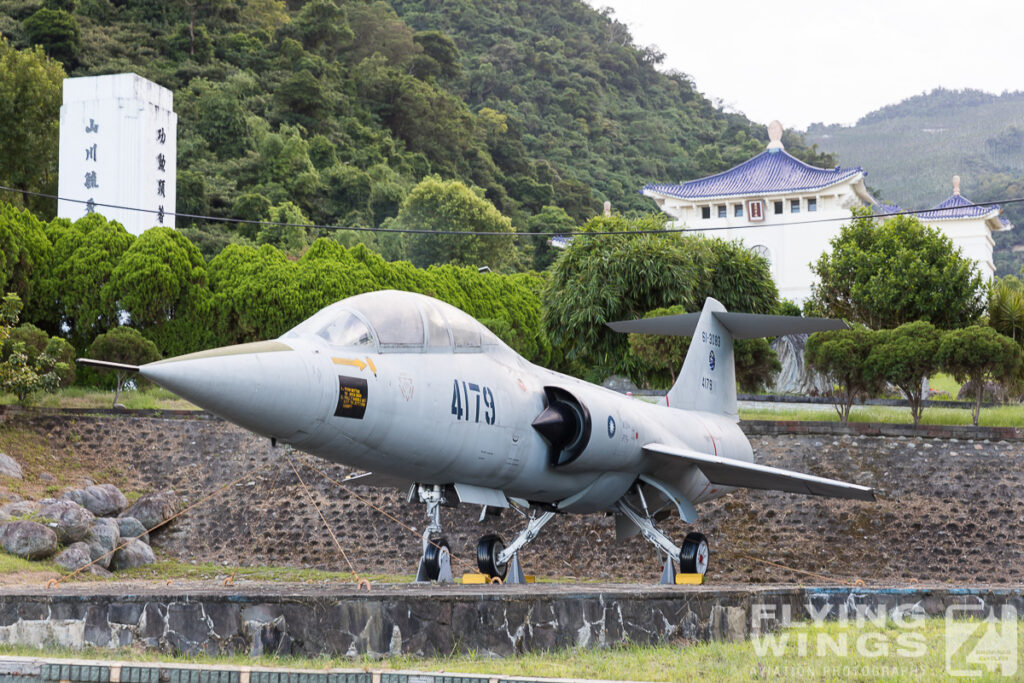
(494, 558)
(436, 562)
(692, 556)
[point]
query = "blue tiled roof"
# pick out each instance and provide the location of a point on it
(879, 209)
(772, 171)
(957, 207)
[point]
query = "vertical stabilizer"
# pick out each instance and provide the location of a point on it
(707, 381)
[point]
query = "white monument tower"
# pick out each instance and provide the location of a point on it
(118, 148)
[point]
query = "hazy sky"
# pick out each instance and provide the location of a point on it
(802, 61)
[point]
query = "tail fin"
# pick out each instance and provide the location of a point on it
(707, 381)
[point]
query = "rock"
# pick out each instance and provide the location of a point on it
(70, 520)
(132, 528)
(992, 393)
(18, 510)
(74, 557)
(154, 508)
(794, 378)
(46, 476)
(9, 467)
(31, 540)
(134, 554)
(102, 500)
(102, 539)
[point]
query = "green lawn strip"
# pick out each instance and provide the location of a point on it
(998, 416)
(834, 651)
(151, 398)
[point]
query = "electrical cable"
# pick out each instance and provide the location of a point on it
(482, 233)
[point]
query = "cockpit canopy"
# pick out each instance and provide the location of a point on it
(397, 322)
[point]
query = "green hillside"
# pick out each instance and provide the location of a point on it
(912, 150)
(331, 111)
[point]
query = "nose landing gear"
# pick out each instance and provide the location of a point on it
(436, 561)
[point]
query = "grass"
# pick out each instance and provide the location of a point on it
(999, 416)
(833, 651)
(151, 398)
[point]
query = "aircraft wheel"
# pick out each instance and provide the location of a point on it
(436, 554)
(487, 551)
(693, 557)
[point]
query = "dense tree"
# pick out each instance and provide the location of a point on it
(976, 354)
(73, 299)
(756, 364)
(35, 343)
(884, 275)
(57, 31)
(25, 252)
(904, 357)
(123, 345)
(1006, 307)
(18, 374)
(841, 355)
(440, 205)
(603, 278)
(160, 283)
(30, 99)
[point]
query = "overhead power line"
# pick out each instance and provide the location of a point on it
(570, 233)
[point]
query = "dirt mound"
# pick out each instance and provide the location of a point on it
(949, 511)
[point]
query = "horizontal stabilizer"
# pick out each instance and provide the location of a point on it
(729, 472)
(107, 365)
(739, 325)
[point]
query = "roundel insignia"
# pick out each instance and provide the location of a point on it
(611, 426)
(711, 360)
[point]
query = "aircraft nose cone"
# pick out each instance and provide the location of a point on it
(266, 387)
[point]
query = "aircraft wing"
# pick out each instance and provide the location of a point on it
(729, 472)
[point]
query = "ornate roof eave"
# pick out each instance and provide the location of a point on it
(856, 178)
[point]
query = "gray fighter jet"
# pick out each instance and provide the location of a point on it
(423, 397)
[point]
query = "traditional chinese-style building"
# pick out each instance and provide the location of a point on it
(788, 211)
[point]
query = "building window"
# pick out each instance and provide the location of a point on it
(705, 212)
(794, 206)
(778, 207)
(737, 210)
(721, 211)
(755, 210)
(812, 204)
(762, 251)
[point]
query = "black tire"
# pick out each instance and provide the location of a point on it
(693, 556)
(432, 557)
(487, 551)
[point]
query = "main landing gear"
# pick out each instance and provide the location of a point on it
(692, 556)
(494, 558)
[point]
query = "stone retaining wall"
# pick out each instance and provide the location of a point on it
(493, 620)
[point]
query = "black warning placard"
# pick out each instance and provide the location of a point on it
(352, 394)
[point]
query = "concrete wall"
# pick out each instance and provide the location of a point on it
(498, 620)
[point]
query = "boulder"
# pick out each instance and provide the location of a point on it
(134, 554)
(992, 393)
(102, 500)
(795, 378)
(154, 508)
(9, 467)
(70, 520)
(18, 510)
(103, 537)
(74, 557)
(31, 540)
(132, 528)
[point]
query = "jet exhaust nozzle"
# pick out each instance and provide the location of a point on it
(564, 424)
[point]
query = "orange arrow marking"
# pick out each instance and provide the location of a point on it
(355, 362)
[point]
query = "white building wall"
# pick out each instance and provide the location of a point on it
(793, 240)
(118, 146)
